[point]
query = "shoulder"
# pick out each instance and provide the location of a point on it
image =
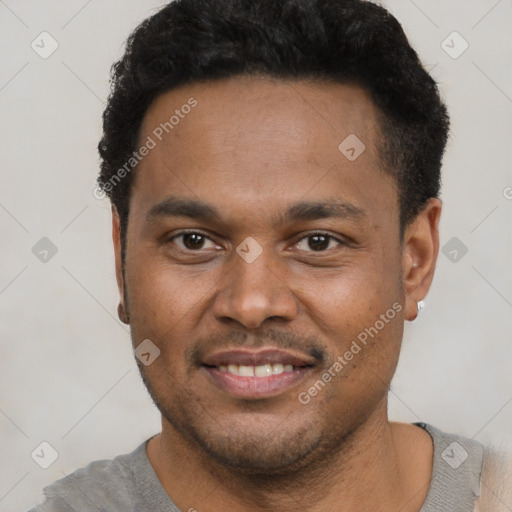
(99, 485)
(485, 469)
(456, 468)
(496, 479)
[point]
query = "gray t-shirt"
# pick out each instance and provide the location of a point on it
(128, 482)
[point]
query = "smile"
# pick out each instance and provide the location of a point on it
(261, 374)
(264, 370)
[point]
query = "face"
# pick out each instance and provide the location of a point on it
(259, 256)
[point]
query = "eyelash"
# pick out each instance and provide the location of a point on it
(314, 233)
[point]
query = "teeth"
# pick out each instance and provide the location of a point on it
(245, 371)
(264, 370)
(278, 368)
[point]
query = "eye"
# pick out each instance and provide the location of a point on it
(318, 242)
(193, 241)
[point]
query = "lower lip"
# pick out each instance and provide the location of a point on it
(257, 387)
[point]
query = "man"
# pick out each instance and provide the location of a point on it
(274, 173)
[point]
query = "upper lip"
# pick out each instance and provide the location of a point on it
(246, 357)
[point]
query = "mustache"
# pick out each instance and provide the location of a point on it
(281, 339)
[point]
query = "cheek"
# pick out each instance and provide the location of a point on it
(164, 302)
(363, 361)
(349, 299)
(155, 283)
(360, 314)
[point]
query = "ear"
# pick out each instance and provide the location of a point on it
(419, 256)
(116, 238)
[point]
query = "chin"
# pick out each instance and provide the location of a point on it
(257, 454)
(249, 443)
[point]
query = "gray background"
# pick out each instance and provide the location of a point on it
(67, 372)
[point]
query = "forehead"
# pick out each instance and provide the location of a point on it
(260, 142)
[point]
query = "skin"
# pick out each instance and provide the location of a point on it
(252, 148)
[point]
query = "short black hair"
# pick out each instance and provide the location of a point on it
(347, 41)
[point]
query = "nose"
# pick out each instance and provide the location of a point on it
(254, 292)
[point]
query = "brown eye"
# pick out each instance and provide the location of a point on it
(317, 242)
(192, 241)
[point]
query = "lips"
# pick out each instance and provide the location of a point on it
(262, 370)
(257, 374)
(258, 358)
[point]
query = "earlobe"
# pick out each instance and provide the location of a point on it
(121, 313)
(116, 238)
(419, 256)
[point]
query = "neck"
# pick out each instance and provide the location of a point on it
(379, 466)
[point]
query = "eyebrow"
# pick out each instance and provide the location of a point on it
(313, 210)
(301, 211)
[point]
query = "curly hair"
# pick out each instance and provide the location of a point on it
(345, 41)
